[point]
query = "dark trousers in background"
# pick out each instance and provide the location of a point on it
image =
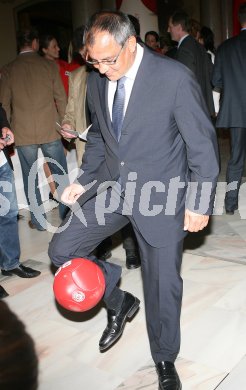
(235, 166)
(160, 271)
(128, 239)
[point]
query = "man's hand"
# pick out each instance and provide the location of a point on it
(6, 131)
(65, 127)
(194, 222)
(72, 193)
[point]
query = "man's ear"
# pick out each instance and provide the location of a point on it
(35, 44)
(132, 42)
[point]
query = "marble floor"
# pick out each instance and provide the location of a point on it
(213, 323)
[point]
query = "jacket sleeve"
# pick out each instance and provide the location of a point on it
(69, 117)
(3, 119)
(217, 80)
(59, 92)
(186, 58)
(200, 140)
(5, 92)
(93, 163)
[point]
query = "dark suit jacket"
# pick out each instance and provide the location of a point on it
(4, 123)
(229, 76)
(166, 135)
(193, 55)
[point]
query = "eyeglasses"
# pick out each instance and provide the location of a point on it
(105, 62)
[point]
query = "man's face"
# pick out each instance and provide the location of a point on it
(106, 48)
(174, 30)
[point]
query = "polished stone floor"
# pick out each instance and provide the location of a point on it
(213, 349)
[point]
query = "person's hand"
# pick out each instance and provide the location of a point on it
(194, 222)
(65, 127)
(6, 131)
(72, 193)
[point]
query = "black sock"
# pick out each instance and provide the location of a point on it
(114, 301)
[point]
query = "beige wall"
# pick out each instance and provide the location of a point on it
(7, 34)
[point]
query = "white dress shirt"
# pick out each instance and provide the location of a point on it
(130, 75)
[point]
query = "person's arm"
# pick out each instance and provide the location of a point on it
(200, 139)
(6, 135)
(94, 157)
(217, 79)
(5, 93)
(68, 121)
(59, 92)
(186, 58)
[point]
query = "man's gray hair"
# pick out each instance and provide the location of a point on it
(116, 24)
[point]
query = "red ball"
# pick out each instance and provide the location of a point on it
(79, 284)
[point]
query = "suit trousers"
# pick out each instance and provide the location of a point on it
(160, 267)
(235, 166)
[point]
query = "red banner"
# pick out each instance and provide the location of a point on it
(118, 4)
(236, 24)
(150, 4)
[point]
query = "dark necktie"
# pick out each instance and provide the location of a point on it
(118, 107)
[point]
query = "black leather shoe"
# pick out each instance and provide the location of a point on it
(117, 321)
(132, 260)
(3, 293)
(22, 272)
(103, 251)
(230, 212)
(105, 255)
(168, 376)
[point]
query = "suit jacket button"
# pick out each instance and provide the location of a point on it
(122, 163)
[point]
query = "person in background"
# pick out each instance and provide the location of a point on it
(229, 79)
(33, 97)
(74, 50)
(191, 54)
(206, 39)
(165, 44)
(18, 356)
(76, 115)
(195, 29)
(146, 149)
(49, 48)
(9, 235)
(152, 40)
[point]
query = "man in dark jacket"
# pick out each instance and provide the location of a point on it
(229, 77)
(9, 237)
(192, 54)
(140, 169)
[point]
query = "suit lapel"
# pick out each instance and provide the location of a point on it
(104, 104)
(142, 85)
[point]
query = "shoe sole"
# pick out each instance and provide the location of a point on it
(131, 313)
(180, 387)
(133, 266)
(9, 273)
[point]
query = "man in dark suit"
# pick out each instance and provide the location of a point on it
(192, 54)
(9, 237)
(229, 78)
(150, 136)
